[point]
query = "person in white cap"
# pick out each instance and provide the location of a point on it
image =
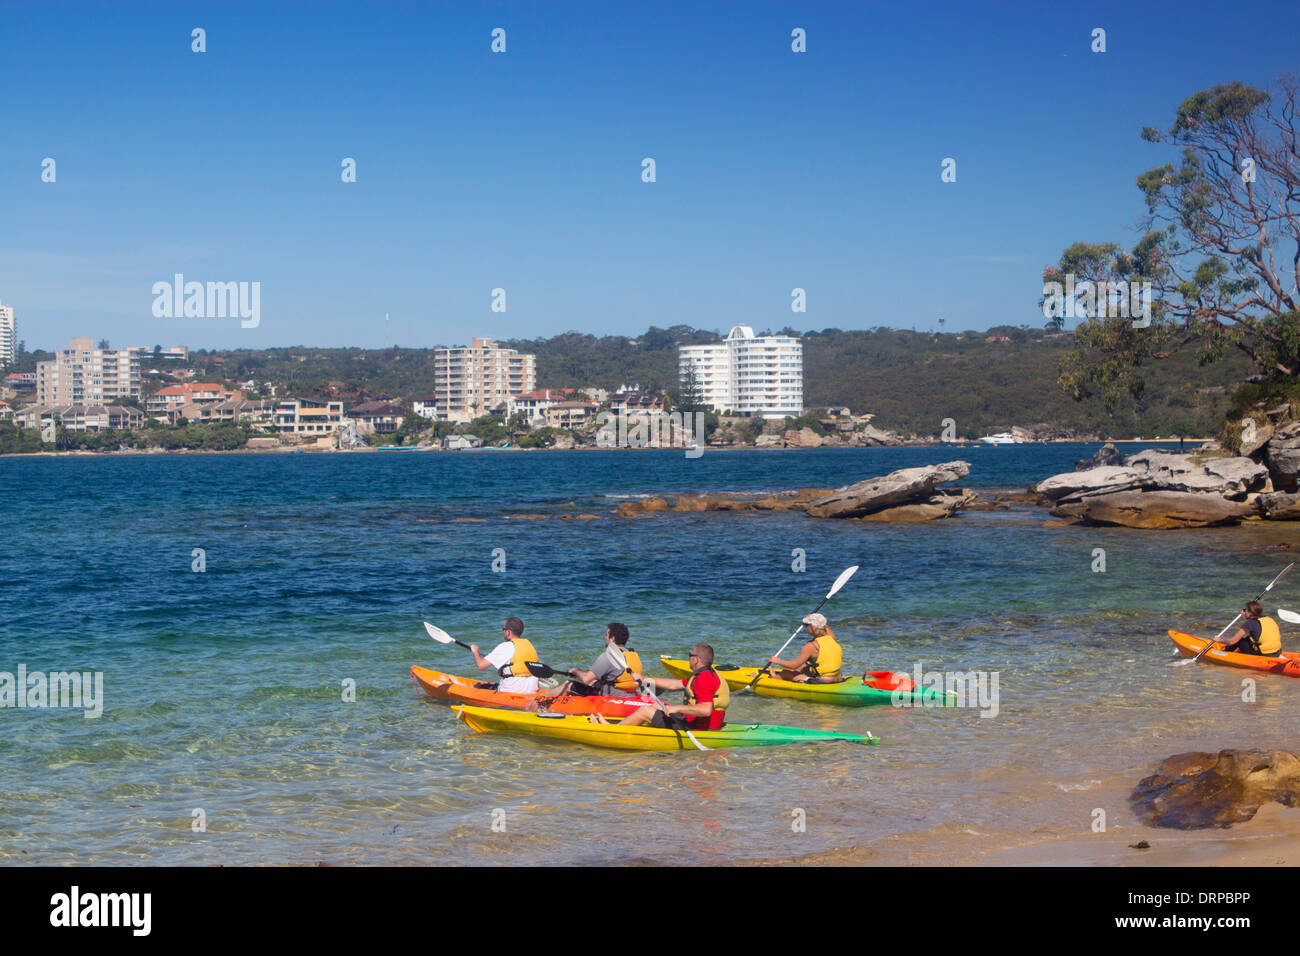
(819, 660)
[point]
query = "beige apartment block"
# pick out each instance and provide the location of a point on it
(86, 375)
(472, 381)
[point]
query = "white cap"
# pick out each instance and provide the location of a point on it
(815, 620)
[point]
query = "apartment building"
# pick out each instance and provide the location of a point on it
(86, 375)
(8, 334)
(79, 418)
(191, 393)
(746, 374)
(472, 381)
(301, 416)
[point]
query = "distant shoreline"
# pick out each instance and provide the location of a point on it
(300, 450)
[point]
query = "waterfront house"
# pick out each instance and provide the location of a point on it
(301, 416)
(380, 418)
(458, 442)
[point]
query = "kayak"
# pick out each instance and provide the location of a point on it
(880, 689)
(581, 730)
(461, 690)
(1287, 663)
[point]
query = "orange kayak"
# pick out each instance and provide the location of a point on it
(461, 690)
(1287, 663)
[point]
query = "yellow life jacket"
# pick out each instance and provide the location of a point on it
(830, 657)
(518, 665)
(626, 681)
(720, 700)
(1270, 637)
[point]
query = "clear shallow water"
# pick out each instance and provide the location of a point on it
(223, 689)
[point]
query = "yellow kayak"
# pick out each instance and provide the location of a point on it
(580, 730)
(847, 693)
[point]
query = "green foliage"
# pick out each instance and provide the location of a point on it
(17, 441)
(806, 420)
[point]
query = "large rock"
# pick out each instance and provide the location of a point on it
(872, 435)
(1193, 791)
(876, 494)
(1157, 471)
(939, 506)
(803, 438)
(1107, 454)
(769, 441)
(1282, 454)
(1154, 509)
(1279, 506)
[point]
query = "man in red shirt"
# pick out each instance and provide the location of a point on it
(706, 698)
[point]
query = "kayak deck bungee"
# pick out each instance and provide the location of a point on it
(462, 690)
(851, 692)
(1287, 663)
(580, 730)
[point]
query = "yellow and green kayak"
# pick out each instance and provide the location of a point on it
(580, 730)
(880, 689)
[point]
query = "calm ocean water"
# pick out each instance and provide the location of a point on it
(223, 688)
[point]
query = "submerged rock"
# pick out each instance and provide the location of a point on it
(1193, 791)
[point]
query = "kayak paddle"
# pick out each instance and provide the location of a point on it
(616, 655)
(842, 580)
(1291, 617)
(1201, 652)
(442, 637)
(540, 670)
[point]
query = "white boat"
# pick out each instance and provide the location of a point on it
(1001, 438)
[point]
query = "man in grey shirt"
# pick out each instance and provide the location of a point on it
(606, 677)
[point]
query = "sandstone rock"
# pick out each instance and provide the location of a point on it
(769, 441)
(691, 503)
(1282, 455)
(1107, 454)
(653, 504)
(875, 494)
(1153, 509)
(1279, 506)
(875, 436)
(1158, 471)
(1193, 791)
(803, 438)
(1263, 432)
(939, 506)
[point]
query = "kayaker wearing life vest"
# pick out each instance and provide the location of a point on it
(820, 659)
(605, 676)
(1258, 634)
(510, 659)
(707, 697)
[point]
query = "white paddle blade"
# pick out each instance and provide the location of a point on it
(438, 634)
(1279, 577)
(842, 580)
(1291, 617)
(616, 655)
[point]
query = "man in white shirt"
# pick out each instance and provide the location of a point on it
(510, 659)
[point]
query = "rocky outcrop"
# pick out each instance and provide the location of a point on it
(1107, 455)
(803, 438)
(1154, 510)
(1282, 455)
(1279, 506)
(908, 495)
(876, 494)
(1153, 489)
(1193, 791)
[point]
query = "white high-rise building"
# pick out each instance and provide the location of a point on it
(748, 375)
(8, 334)
(86, 375)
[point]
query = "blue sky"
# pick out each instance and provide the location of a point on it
(522, 170)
